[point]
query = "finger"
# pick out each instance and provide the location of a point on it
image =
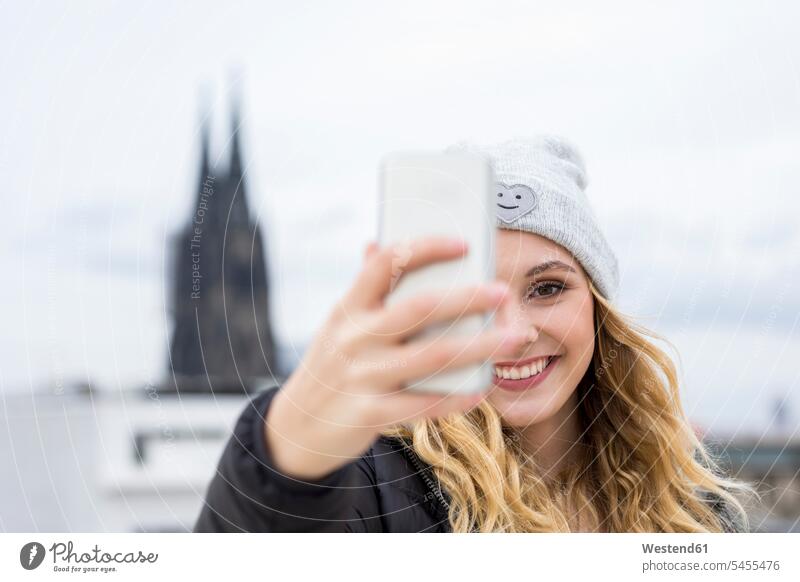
(386, 266)
(370, 249)
(421, 358)
(411, 315)
(410, 405)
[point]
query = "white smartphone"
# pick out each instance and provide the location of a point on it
(442, 194)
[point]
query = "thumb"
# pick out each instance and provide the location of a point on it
(370, 249)
(410, 406)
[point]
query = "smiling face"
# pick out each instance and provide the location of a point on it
(514, 201)
(553, 304)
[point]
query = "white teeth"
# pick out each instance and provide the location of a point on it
(522, 372)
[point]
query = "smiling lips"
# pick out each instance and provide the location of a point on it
(522, 369)
(526, 374)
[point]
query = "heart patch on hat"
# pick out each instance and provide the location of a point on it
(514, 201)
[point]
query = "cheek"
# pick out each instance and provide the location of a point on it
(579, 346)
(570, 329)
(577, 338)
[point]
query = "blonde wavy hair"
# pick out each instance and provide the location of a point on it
(641, 466)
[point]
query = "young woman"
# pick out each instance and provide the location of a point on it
(582, 430)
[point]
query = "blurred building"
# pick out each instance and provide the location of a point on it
(222, 349)
(772, 463)
(222, 339)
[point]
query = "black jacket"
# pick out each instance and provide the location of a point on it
(388, 489)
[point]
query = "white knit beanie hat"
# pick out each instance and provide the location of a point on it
(540, 189)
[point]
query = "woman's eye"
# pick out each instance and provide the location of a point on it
(546, 289)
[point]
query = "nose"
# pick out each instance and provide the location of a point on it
(512, 314)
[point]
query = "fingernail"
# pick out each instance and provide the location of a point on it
(457, 244)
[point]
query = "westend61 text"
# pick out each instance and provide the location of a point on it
(673, 549)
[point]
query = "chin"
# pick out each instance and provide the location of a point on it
(518, 411)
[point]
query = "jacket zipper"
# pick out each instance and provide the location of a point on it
(424, 472)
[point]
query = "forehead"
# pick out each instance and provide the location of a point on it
(517, 251)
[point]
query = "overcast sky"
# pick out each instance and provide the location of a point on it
(687, 114)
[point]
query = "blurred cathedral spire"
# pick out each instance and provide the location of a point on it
(221, 339)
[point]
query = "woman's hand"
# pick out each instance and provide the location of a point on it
(350, 383)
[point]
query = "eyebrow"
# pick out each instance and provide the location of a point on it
(548, 266)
